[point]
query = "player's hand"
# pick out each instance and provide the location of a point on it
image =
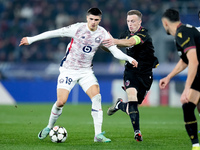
(24, 41)
(163, 82)
(108, 42)
(134, 63)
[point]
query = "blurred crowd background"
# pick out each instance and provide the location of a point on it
(19, 18)
(35, 68)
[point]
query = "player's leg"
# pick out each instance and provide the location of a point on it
(64, 85)
(91, 87)
(56, 111)
(189, 116)
(133, 112)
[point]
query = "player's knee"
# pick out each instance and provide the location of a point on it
(60, 103)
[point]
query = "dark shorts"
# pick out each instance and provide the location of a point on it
(196, 83)
(142, 83)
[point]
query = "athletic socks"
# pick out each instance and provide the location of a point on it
(131, 108)
(190, 121)
(97, 114)
(55, 113)
(134, 114)
(122, 106)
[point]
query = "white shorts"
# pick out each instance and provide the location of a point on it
(68, 78)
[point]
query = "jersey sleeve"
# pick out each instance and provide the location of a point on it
(68, 31)
(117, 53)
(185, 39)
(142, 35)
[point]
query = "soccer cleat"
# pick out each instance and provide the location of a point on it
(43, 134)
(196, 148)
(138, 136)
(101, 138)
(114, 108)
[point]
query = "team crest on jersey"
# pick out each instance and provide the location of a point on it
(98, 39)
(61, 80)
(127, 83)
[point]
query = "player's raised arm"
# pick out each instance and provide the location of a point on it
(62, 32)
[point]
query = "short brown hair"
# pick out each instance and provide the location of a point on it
(135, 12)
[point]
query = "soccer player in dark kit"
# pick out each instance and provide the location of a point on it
(137, 81)
(187, 40)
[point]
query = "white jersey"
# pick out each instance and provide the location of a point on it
(84, 44)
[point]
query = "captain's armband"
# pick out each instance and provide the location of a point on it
(137, 39)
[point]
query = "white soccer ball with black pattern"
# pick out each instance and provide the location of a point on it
(58, 134)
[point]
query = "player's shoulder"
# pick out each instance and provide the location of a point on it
(143, 33)
(142, 30)
(186, 27)
(76, 25)
(186, 30)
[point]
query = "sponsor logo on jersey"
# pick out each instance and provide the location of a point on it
(87, 49)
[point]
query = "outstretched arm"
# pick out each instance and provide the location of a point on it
(42, 36)
(117, 53)
(134, 40)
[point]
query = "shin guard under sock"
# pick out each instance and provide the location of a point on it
(134, 114)
(190, 121)
(97, 113)
(122, 106)
(55, 113)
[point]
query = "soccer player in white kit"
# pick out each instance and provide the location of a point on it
(76, 67)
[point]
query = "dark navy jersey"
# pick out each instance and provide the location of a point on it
(187, 37)
(143, 52)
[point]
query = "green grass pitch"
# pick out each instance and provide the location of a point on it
(162, 128)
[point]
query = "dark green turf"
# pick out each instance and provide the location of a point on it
(162, 128)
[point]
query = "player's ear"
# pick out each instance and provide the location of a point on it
(164, 22)
(140, 22)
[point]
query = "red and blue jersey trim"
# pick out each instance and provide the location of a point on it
(69, 49)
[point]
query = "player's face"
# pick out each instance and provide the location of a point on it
(93, 22)
(165, 23)
(134, 23)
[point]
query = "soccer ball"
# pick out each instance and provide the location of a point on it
(58, 134)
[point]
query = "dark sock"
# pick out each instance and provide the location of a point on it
(190, 121)
(122, 106)
(133, 113)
